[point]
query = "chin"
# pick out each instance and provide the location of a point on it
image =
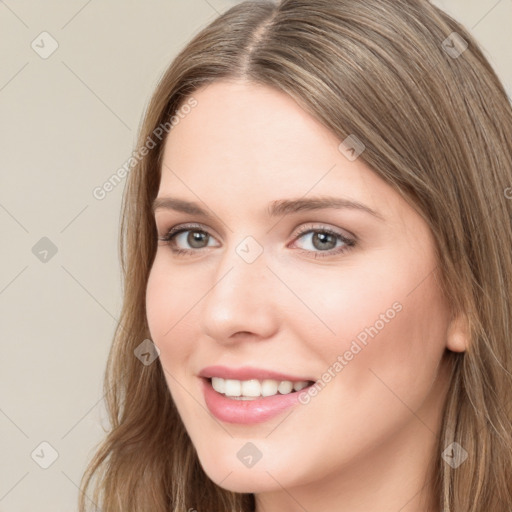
(242, 480)
(250, 483)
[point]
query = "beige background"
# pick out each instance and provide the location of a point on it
(68, 122)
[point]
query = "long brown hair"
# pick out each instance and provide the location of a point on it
(437, 126)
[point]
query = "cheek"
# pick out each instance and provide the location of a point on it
(384, 319)
(392, 341)
(169, 300)
(168, 308)
(340, 305)
(170, 293)
(157, 297)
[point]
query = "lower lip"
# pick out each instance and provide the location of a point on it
(247, 411)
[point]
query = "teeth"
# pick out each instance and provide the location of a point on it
(285, 387)
(300, 385)
(269, 387)
(250, 389)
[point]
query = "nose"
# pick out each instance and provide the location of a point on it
(241, 300)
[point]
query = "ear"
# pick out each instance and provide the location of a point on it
(458, 333)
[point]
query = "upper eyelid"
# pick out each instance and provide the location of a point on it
(187, 227)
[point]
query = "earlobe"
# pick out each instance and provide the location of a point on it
(457, 339)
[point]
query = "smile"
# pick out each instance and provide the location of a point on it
(254, 388)
(251, 409)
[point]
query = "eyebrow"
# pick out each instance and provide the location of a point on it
(276, 208)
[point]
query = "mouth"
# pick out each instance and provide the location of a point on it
(237, 407)
(256, 389)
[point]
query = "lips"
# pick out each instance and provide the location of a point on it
(248, 373)
(256, 409)
(246, 412)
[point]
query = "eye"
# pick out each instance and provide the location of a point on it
(322, 241)
(196, 238)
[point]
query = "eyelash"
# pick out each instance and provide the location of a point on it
(168, 239)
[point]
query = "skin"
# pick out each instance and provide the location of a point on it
(365, 441)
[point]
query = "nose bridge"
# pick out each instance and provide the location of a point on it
(241, 266)
(240, 299)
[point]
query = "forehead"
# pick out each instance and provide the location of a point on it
(254, 144)
(239, 122)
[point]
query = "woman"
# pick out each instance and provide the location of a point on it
(317, 247)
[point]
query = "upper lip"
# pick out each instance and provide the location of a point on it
(248, 373)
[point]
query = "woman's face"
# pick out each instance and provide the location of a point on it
(337, 295)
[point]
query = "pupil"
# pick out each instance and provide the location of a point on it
(324, 238)
(196, 237)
